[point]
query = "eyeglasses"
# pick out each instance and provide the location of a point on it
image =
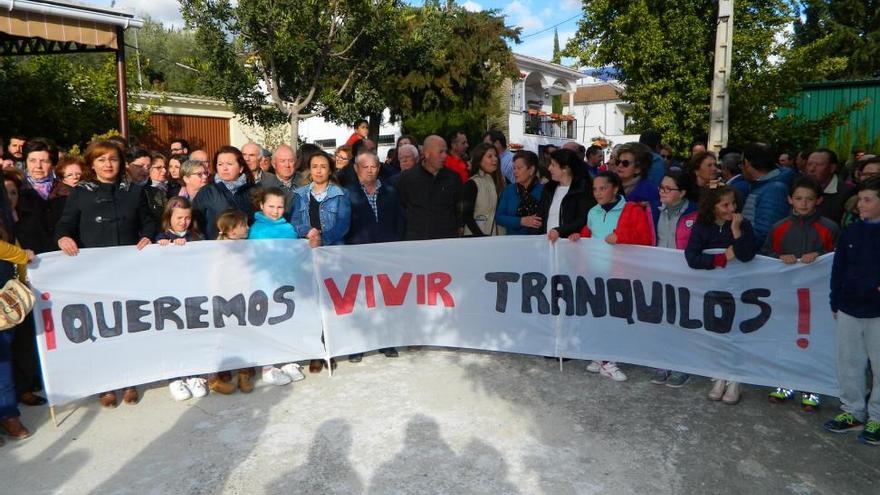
(176, 150)
(668, 189)
(341, 157)
(624, 163)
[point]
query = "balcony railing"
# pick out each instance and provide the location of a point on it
(547, 125)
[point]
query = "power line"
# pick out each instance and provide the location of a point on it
(551, 27)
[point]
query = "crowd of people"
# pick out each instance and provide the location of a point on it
(794, 206)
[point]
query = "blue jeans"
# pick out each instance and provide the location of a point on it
(8, 399)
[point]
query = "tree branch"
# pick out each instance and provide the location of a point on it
(349, 47)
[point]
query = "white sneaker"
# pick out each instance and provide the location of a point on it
(293, 371)
(178, 390)
(718, 389)
(610, 370)
(732, 393)
(197, 386)
(275, 376)
(594, 366)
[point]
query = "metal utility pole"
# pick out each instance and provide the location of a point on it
(719, 115)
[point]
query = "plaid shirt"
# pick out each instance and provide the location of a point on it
(371, 198)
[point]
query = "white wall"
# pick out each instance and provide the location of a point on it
(316, 128)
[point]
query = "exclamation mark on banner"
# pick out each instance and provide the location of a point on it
(48, 324)
(803, 317)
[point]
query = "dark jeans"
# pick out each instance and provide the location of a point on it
(8, 398)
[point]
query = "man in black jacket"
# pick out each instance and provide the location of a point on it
(431, 195)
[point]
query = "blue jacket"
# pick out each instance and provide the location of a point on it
(658, 169)
(855, 274)
(266, 228)
(335, 214)
(645, 191)
(767, 203)
(743, 188)
(215, 198)
(505, 214)
(713, 236)
(364, 227)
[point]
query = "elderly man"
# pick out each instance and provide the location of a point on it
(430, 195)
(201, 156)
(407, 158)
(253, 153)
(284, 163)
(376, 215)
(822, 167)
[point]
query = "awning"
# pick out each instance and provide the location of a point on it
(53, 28)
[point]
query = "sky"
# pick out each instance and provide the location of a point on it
(535, 17)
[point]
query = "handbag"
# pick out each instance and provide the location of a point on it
(16, 301)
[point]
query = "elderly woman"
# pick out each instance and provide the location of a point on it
(703, 166)
(230, 190)
(481, 192)
(109, 211)
(321, 211)
(193, 177)
(35, 207)
(519, 207)
(632, 166)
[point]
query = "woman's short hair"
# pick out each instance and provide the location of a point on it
(101, 148)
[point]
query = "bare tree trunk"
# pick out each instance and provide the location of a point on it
(294, 130)
(375, 122)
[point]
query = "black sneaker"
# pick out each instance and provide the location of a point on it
(389, 352)
(842, 423)
(871, 434)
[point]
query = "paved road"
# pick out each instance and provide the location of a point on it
(441, 421)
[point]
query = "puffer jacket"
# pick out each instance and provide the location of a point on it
(630, 222)
(767, 203)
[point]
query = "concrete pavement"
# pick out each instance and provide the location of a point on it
(442, 421)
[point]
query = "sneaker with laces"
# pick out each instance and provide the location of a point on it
(677, 379)
(780, 395)
(197, 386)
(809, 401)
(660, 377)
(594, 366)
(293, 370)
(275, 376)
(843, 423)
(179, 390)
(610, 370)
(871, 434)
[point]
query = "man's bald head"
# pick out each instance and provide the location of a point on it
(252, 153)
(434, 150)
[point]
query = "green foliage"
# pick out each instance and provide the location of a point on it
(67, 98)
(421, 125)
(557, 54)
(849, 28)
(664, 52)
(165, 54)
(287, 53)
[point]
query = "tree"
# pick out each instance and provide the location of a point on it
(663, 52)
(287, 53)
(849, 28)
(556, 102)
(68, 98)
(167, 58)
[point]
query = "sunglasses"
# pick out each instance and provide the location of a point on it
(624, 163)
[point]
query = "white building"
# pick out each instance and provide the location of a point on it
(601, 113)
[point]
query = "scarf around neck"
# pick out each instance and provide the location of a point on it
(233, 185)
(42, 186)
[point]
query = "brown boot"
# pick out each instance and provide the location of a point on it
(244, 382)
(14, 428)
(217, 385)
(130, 395)
(108, 400)
(316, 365)
(225, 376)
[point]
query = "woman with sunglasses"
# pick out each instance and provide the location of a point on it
(633, 164)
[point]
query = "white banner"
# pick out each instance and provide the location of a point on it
(115, 317)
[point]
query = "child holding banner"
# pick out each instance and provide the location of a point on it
(178, 229)
(804, 235)
(269, 223)
(618, 221)
(718, 227)
(855, 301)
